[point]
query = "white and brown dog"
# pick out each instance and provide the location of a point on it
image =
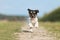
(33, 20)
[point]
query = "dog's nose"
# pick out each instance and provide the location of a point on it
(33, 15)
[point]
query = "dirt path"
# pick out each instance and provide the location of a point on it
(38, 34)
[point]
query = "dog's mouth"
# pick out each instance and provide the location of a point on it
(32, 16)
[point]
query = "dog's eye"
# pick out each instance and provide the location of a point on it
(31, 12)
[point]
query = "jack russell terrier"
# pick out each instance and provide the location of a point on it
(33, 20)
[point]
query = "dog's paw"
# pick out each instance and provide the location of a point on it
(30, 30)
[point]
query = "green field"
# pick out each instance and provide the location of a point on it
(52, 27)
(7, 29)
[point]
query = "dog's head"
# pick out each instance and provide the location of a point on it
(33, 13)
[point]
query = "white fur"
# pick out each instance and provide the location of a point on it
(34, 22)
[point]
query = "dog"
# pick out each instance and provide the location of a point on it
(33, 20)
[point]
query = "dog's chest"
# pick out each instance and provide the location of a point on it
(33, 20)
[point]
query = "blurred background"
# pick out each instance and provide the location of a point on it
(49, 10)
(13, 14)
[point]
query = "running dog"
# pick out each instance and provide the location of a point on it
(33, 20)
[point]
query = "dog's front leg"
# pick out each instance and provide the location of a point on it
(30, 27)
(36, 24)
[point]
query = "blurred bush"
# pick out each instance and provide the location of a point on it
(52, 16)
(12, 17)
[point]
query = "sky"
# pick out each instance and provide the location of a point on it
(19, 7)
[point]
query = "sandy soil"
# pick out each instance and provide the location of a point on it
(38, 34)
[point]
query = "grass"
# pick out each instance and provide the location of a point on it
(53, 27)
(7, 30)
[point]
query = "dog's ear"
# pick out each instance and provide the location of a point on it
(37, 11)
(28, 9)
